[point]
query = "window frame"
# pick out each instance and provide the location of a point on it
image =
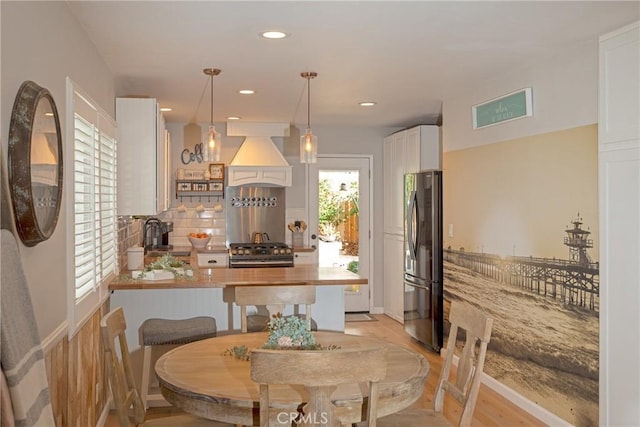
(103, 125)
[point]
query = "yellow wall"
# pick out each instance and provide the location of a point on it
(518, 196)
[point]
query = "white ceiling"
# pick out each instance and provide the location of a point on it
(406, 56)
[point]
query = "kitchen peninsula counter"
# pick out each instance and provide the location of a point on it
(208, 292)
(229, 277)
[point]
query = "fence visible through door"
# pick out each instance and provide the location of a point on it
(339, 187)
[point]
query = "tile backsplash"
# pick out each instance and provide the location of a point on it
(191, 221)
(207, 221)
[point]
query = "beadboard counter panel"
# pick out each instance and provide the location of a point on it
(142, 304)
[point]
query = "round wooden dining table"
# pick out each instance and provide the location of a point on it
(202, 379)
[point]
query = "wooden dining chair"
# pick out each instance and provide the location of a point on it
(319, 372)
(126, 398)
(466, 385)
(275, 298)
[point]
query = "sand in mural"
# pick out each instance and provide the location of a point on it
(544, 342)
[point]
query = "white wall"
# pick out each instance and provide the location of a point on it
(42, 41)
(565, 95)
(619, 179)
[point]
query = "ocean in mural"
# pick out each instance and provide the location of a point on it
(544, 342)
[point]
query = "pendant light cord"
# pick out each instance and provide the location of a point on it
(308, 102)
(204, 90)
(295, 112)
(211, 121)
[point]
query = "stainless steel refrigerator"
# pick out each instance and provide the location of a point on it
(423, 276)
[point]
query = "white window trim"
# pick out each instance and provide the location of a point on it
(78, 312)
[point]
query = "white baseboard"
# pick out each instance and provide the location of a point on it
(525, 404)
(520, 401)
(377, 310)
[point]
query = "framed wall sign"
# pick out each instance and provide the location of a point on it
(512, 106)
(216, 170)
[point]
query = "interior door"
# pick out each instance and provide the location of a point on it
(342, 179)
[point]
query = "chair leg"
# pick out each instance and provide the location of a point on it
(146, 368)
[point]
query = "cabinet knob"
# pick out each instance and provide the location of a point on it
(212, 261)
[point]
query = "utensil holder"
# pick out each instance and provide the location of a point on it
(297, 239)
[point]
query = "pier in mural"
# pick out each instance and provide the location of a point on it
(544, 343)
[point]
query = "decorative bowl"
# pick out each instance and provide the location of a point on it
(197, 241)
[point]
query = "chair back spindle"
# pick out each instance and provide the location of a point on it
(275, 298)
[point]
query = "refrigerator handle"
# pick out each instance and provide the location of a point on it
(411, 238)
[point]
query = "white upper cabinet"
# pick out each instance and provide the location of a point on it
(423, 149)
(408, 151)
(142, 157)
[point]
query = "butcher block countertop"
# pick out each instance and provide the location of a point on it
(228, 277)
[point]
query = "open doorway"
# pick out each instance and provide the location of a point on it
(340, 187)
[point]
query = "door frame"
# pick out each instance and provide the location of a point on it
(310, 203)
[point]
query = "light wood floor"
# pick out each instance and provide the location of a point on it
(492, 410)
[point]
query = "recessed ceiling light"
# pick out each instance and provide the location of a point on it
(246, 92)
(273, 35)
(166, 109)
(367, 104)
(234, 118)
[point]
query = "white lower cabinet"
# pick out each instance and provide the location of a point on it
(393, 271)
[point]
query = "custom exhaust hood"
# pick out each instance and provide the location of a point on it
(258, 160)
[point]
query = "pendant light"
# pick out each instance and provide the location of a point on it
(212, 144)
(308, 141)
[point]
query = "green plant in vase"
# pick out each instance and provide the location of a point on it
(291, 333)
(168, 262)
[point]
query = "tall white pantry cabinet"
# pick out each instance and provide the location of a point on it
(619, 209)
(408, 151)
(143, 157)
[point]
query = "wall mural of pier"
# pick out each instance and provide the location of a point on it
(521, 240)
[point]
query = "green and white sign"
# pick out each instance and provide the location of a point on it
(514, 105)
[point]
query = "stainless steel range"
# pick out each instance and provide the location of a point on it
(267, 254)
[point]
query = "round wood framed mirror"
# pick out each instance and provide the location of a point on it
(35, 163)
